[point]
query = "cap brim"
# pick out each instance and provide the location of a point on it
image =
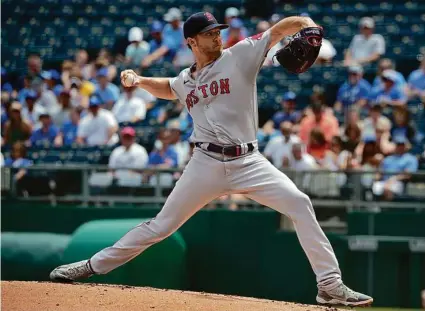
(214, 26)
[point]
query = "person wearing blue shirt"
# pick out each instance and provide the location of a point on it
(172, 39)
(163, 156)
(271, 128)
(230, 14)
(18, 160)
(416, 83)
(288, 112)
(47, 132)
(385, 64)
(399, 165)
(68, 133)
(354, 92)
(388, 94)
(22, 94)
(105, 90)
(156, 42)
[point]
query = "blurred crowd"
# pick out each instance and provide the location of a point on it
(369, 127)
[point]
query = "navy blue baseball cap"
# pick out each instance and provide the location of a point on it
(199, 23)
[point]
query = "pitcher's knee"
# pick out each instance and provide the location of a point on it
(302, 203)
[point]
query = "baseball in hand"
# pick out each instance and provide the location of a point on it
(129, 80)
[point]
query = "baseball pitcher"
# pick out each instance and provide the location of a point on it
(220, 92)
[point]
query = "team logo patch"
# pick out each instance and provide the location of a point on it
(258, 36)
(209, 17)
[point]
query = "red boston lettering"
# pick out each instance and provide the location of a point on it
(191, 99)
(214, 88)
(224, 86)
(203, 88)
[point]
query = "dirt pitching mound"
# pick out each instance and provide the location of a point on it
(34, 296)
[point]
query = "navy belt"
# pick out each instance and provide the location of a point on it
(231, 151)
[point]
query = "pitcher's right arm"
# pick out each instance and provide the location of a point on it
(158, 87)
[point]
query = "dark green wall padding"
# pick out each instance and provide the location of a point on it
(31, 256)
(163, 265)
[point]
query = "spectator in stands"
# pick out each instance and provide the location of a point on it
(147, 97)
(235, 33)
(16, 129)
(326, 122)
(130, 155)
(68, 132)
(416, 83)
(26, 88)
(352, 137)
(18, 160)
(172, 36)
(34, 65)
(388, 94)
(370, 159)
(1, 160)
(51, 79)
(138, 48)
(31, 111)
(156, 42)
(288, 113)
(327, 52)
(400, 164)
(45, 135)
(107, 60)
(99, 127)
(317, 144)
(163, 156)
(376, 119)
(402, 125)
(366, 47)
(107, 91)
(280, 147)
(275, 18)
(82, 62)
(388, 64)
(336, 158)
(300, 161)
(181, 147)
(354, 92)
(129, 108)
(45, 98)
(63, 114)
(230, 14)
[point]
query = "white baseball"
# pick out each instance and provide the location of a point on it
(129, 80)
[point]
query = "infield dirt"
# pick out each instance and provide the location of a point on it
(45, 296)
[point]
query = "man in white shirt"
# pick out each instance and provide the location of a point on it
(181, 147)
(138, 48)
(129, 108)
(299, 161)
(98, 127)
(366, 47)
(279, 147)
(130, 155)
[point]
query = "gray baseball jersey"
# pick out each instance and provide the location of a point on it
(222, 100)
